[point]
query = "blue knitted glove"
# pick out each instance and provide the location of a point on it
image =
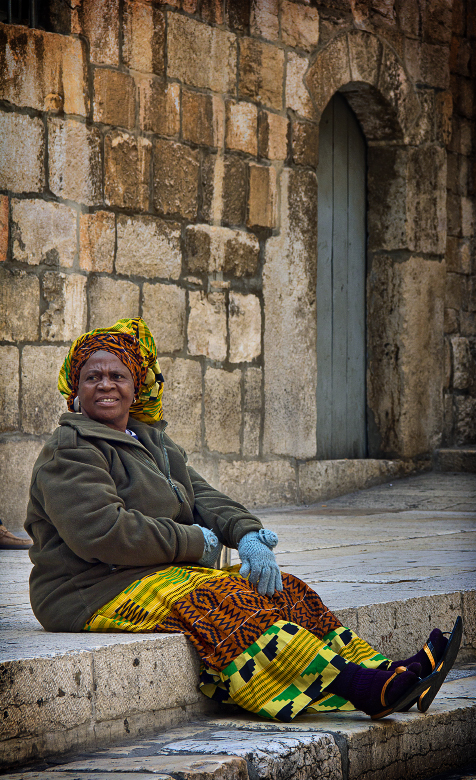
(255, 551)
(212, 548)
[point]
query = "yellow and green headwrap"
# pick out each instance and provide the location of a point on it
(133, 343)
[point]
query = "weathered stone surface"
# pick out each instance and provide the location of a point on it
(405, 368)
(252, 408)
(464, 366)
(426, 200)
(434, 66)
(97, 238)
(4, 227)
(261, 72)
(211, 249)
(465, 419)
(176, 172)
(9, 388)
(43, 70)
(329, 71)
(273, 136)
(182, 400)
(263, 198)
(207, 767)
(212, 11)
(163, 308)
(17, 457)
(245, 327)
(198, 122)
(74, 161)
(257, 483)
(322, 479)
(242, 127)
(207, 325)
(144, 37)
(305, 144)
(22, 153)
(127, 170)
(114, 98)
(290, 322)
(365, 52)
(456, 291)
(147, 246)
(297, 94)
(299, 25)
(19, 305)
(200, 55)
(264, 19)
(43, 232)
(222, 402)
(110, 299)
(234, 190)
(99, 23)
(397, 89)
(66, 316)
(159, 106)
(41, 404)
(458, 256)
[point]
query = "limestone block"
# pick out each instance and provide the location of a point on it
(110, 300)
(163, 308)
(365, 52)
(448, 421)
(273, 136)
(299, 26)
(200, 55)
(322, 479)
(297, 94)
(22, 153)
(257, 483)
(395, 87)
(465, 419)
(207, 325)
(252, 411)
(149, 675)
(212, 11)
(245, 327)
(187, 767)
(222, 400)
(159, 107)
(114, 98)
(405, 348)
(43, 70)
(176, 171)
(147, 246)
(456, 290)
(200, 123)
(127, 170)
(439, 21)
(97, 238)
(99, 23)
(17, 458)
(464, 368)
(263, 197)
(144, 37)
(261, 72)
(66, 316)
(9, 388)
(4, 228)
(74, 161)
(443, 117)
(43, 232)
(50, 698)
(182, 400)
(212, 249)
(434, 66)
(41, 403)
(234, 190)
(19, 305)
(329, 71)
(290, 321)
(264, 19)
(241, 127)
(305, 144)
(426, 200)
(451, 321)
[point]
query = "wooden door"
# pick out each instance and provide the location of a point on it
(341, 268)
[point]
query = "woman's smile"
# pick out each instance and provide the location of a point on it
(106, 390)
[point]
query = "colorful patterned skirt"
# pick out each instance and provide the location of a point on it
(272, 656)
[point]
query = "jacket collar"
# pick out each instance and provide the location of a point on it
(96, 430)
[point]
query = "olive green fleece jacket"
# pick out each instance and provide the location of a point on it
(106, 509)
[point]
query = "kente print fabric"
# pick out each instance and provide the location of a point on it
(132, 342)
(273, 656)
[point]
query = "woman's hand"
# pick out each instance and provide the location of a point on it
(255, 551)
(212, 548)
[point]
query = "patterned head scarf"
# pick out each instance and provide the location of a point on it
(132, 342)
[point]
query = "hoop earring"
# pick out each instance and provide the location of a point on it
(76, 405)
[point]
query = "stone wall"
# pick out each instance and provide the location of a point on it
(160, 160)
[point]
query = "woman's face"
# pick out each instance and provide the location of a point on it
(106, 390)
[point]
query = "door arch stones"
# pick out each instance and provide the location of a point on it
(405, 276)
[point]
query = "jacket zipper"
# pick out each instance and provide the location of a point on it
(167, 466)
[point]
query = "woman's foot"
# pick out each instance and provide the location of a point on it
(374, 691)
(428, 656)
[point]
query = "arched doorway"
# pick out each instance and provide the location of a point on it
(341, 275)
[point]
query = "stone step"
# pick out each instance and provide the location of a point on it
(334, 746)
(456, 459)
